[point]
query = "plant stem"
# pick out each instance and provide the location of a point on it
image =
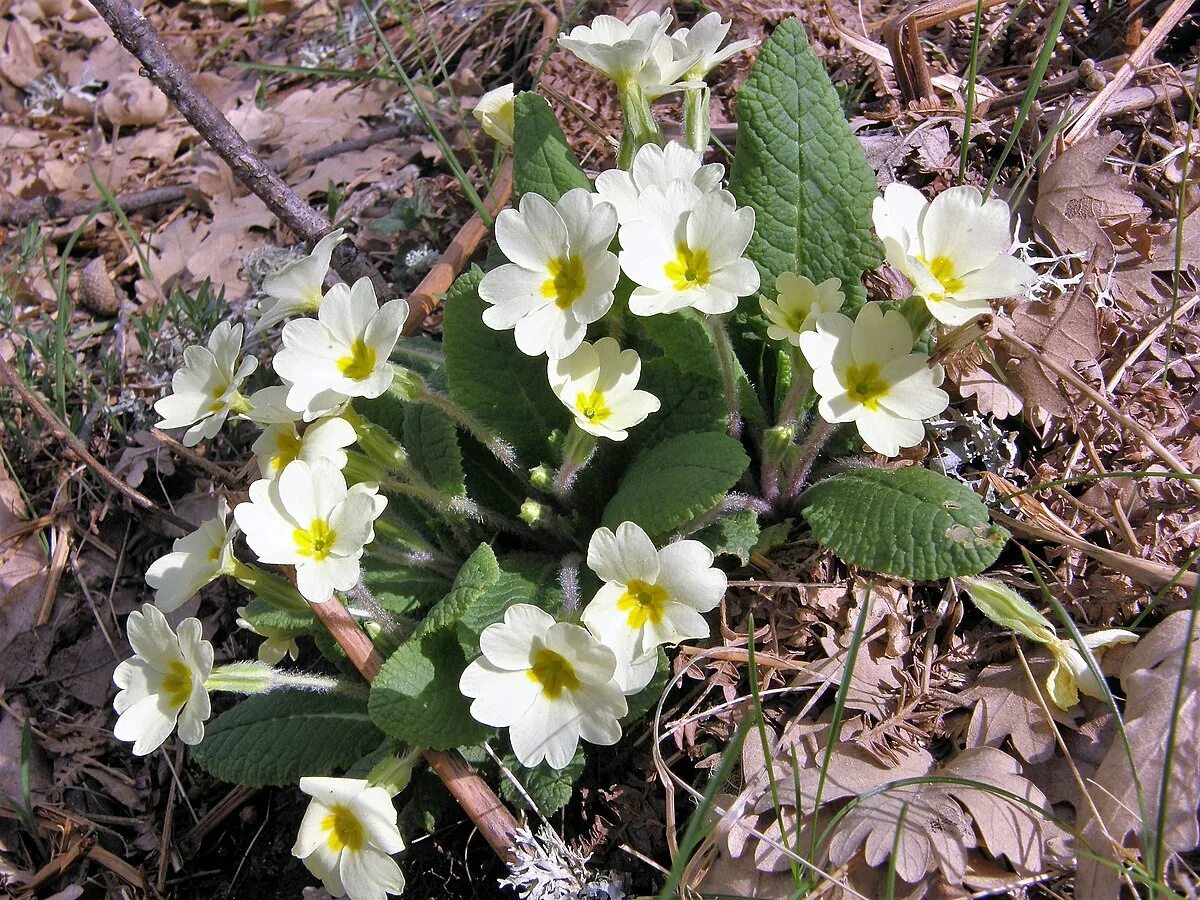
(720, 339)
(801, 382)
(640, 126)
(696, 118)
(495, 444)
(820, 433)
(578, 451)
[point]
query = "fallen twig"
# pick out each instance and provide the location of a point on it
(137, 35)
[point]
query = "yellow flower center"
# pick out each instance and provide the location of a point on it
(942, 268)
(553, 672)
(797, 318)
(865, 385)
(567, 281)
(359, 362)
(177, 684)
(214, 554)
(345, 831)
(643, 602)
(218, 394)
(315, 542)
(287, 449)
(592, 407)
(688, 269)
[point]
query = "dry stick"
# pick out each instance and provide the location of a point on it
(478, 800)
(1091, 114)
(201, 462)
(426, 296)
(50, 206)
(1071, 377)
(137, 36)
(60, 431)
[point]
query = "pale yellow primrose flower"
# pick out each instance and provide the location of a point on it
(798, 305)
(561, 275)
(162, 686)
(297, 288)
(307, 518)
(549, 683)
(702, 43)
(496, 113)
(655, 166)
(865, 374)
(650, 597)
(597, 384)
(281, 443)
(954, 250)
(685, 250)
(343, 352)
(347, 838)
(195, 560)
(276, 644)
(205, 391)
(637, 51)
(1071, 674)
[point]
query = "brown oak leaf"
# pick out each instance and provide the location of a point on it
(1007, 708)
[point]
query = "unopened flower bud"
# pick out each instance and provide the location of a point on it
(542, 477)
(532, 512)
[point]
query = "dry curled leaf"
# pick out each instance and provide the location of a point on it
(1005, 707)
(1150, 678)
(1079, 193)
(992, 397)
(132, 100)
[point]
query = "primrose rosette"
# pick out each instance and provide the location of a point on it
(519, 522)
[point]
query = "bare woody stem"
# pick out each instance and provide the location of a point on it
(137, 36)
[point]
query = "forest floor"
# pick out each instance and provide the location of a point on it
(102, 289)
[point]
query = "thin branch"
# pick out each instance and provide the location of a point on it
(137, 36)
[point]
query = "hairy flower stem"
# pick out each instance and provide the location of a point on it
(696, 118)
(720, 339)
(269, 588)
(452, 508)
(251, 677)
(778, 440)
(820, 433)
(576, 453)
(640, 126)
(495, 444)
(733, 502)
(394, 631)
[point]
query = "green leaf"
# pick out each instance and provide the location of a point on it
(735, 534)
(415, 697)
(908, 522)
(672, 483)
(266, 616)
(280, 737)
(543, 162)
(402, 589)
(432, 442)
(480, 572)
(689, 402)
(523, 579)
(548, 787)
(505, 389)
(802, 170)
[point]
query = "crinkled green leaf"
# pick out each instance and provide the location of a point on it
(908, 522)
(670, 484)
(432, 443)
(523, 579)
(543, 162)
(280, 737)
(688, 402)
(735, 534)
(263, 615)
(548, 787)
(802, 170)
(493, 380)
(478, 574)
(415, 697)
(402, 589)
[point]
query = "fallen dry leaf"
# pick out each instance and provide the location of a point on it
(132, 100)
(1005, 707)
(22, 565)
(992, 397)
(1078, 193)
(1150, 678)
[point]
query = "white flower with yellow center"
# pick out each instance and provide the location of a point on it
(307, 518)
(195, 560)
(655, 166)
(954, 250)
(162, 686)
(347, 838)
(549, 683)
(798, 304)
(297, 288)
(685, 249)
(281, 443)
(865, 373)
(561, 275)
(597, 384)
(276, 643)
(702, 44)
(496, 113)
(629, 52)
(341, 353)
(205, 391)
(650, 597)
